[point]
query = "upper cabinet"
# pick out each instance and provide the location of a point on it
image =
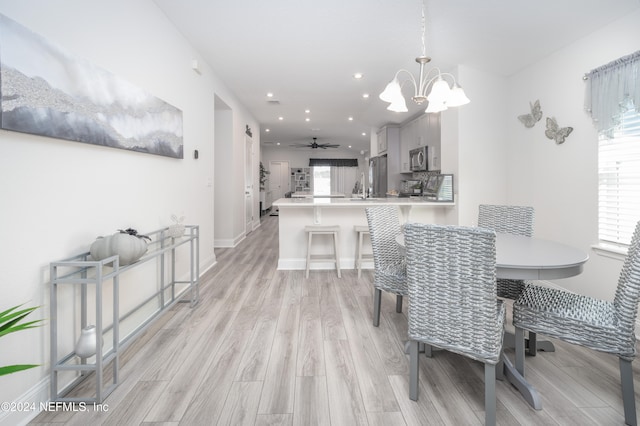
(388, 137)
(421, 131)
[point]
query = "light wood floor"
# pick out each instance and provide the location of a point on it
(268, 347)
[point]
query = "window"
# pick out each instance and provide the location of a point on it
(619, 180)
(321, 180)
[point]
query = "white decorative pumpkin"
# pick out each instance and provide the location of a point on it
(127, 244)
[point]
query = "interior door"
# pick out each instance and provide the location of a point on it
(248, 185)
(279, 181)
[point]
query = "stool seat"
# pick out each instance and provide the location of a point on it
(361, 230)
(332, 230)
(319, 229)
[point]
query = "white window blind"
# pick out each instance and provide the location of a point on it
(619, 181)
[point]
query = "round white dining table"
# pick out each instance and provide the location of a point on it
(529, 258)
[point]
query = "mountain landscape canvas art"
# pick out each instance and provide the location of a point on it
(49, 92)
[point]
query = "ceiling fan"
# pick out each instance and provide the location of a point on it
(315, 145)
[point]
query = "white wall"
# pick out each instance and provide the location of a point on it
(560, 181)
(474, 144)
(57, 195)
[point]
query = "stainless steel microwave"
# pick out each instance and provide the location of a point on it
(418, 159)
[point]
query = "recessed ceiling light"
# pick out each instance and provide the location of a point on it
(358, 75)
(269, 95)
(365, 95)
(364, 134)
(350, 118)
(278, 143)
(307, 119)
(267, 130)
(307, 111)
(280, 118)
(349, 146)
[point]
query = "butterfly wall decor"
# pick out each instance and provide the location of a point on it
(529, 120)
(555, 132)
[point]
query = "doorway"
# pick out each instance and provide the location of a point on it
(279, 181)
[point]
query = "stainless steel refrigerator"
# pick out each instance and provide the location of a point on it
(378, 176)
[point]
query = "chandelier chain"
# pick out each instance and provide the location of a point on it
(424, 31)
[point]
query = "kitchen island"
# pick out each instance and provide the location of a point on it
(296, 213)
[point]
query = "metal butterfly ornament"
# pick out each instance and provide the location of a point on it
(555, 132)
(529, 120)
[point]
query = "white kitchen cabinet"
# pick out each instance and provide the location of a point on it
(421, 131)
(408, 142)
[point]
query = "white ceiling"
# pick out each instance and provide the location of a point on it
(305, 52)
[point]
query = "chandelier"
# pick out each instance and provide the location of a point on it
(429, 87)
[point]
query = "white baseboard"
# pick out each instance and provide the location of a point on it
(228, 242)
(28, 405)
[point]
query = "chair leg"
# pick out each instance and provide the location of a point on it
(628, 394)
(377, 299)
(519, 344)
(413, 370)
(490, 394)
(399, 304)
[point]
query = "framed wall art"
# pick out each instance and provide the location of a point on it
(49, 92)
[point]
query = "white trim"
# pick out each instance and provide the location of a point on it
(228, 243)
(34, 397)
(610, 250)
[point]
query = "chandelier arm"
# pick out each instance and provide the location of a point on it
(425, 81)
(411, 79)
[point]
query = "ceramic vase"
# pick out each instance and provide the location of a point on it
(86, 345)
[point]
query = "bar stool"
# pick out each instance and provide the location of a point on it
(361, 230)
(312, 230)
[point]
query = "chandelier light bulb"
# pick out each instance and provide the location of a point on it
(457, 97)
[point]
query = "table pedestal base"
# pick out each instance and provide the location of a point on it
(526, 390)
(532, 345)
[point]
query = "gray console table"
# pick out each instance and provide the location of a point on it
(81, 270)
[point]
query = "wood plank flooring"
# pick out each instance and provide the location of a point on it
(268, 347)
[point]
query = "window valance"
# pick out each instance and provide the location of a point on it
(333, 162)
(611, 90)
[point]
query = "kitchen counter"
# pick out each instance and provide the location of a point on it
(296, 213)
(359, 202)
(309, 194)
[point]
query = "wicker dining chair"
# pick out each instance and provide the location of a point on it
(604, 326)
(389, 265)
(451, 276)
(515, 220)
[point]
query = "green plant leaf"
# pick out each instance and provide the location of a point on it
(10, 323)
(8, 315)
(14, 368)
(10, 318)
(25, 326)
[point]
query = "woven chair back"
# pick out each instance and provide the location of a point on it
(384, 227)
(515, 220)
(451, 275)
(628, 291)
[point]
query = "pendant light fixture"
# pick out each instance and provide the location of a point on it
(429, 87)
